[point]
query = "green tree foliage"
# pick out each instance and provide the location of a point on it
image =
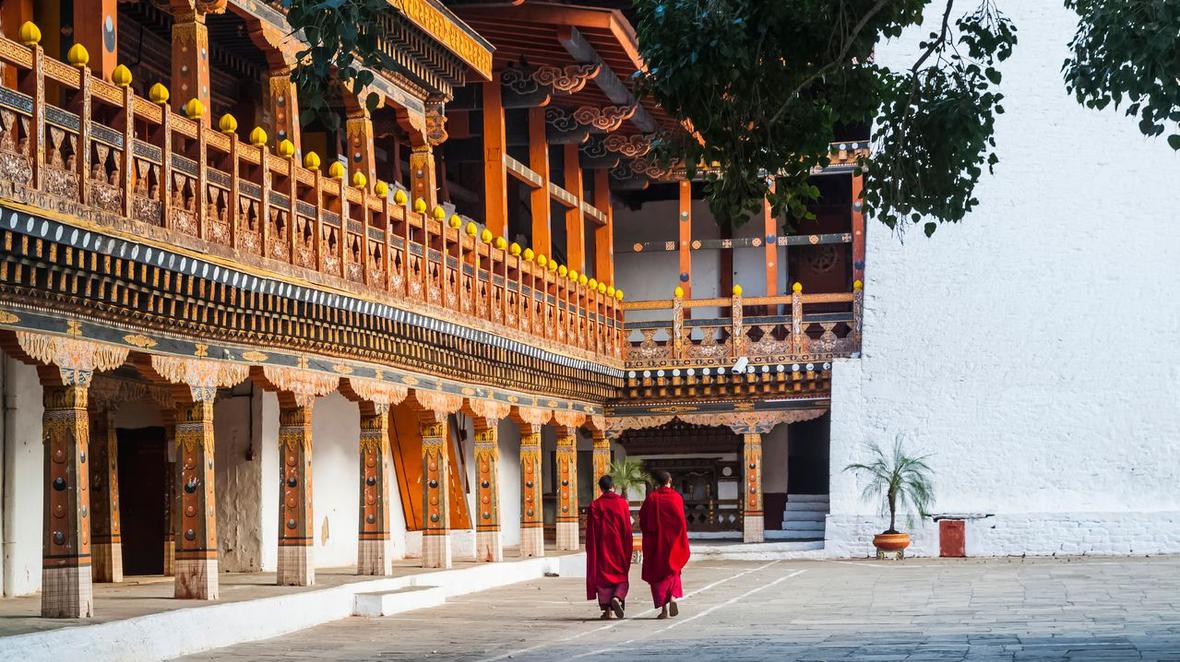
(628, 475)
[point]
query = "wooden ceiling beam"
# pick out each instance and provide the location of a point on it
(581, 50)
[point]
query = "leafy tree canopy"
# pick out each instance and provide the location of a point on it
(767, 84)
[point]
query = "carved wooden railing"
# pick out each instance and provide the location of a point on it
(814, 327)
(93, 149)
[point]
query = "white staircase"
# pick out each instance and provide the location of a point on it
(803, 518)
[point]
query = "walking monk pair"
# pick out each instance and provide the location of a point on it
(609, 545)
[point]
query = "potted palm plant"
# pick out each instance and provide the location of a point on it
(630, 475)
(896, 481)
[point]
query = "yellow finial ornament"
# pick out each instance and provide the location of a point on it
(619, 294)
(602, 288)
(78, 56)
(311, 161)
(359, 179)
(439, 213)
(400, 197)
(582, 280)
(336, 170)
(573, 275)
(857, 285)
(529, 255)
(553, 266)
(194, 109)
(455, 222)
(501, 243)
(227, 124)
(420, 206)
(592, 283)
(381, 188)
(737, 290)
(797, 287)
(121, 76)
(563, 271)
(471, 228)
(30, 34)
(678, 292)
(486, 236)
(514, 249)
(610, 290)
(158, 94)
(258, 136)
(286, 148)
(542, 260)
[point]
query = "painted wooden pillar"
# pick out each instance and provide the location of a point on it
(601, 455)
(358, 129)
(196, 523)
(532, 523)
(96, 26)
(190, 61)
(488, 543)
(567, 488)
(436, 539)
(752, 521)
(858, 229)
(422, 178)
(375, 547)
(296, 529)
(495, 146)
(106, 541)
(66, 590)
(539, 202)
(769, 236)
(604, 245)
(13, 14)
(684, 224)
(575, 226)
(281, 109)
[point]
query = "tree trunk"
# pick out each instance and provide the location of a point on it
(892, 512)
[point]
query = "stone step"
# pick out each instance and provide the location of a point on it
(796, 536)
(387, 603)
(804, 516)
(803, 526)
(808, 506)
(799, 498)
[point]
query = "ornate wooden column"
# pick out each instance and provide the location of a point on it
(495, 175)
(769, 236)
(66, 590)
(107, 543)
(601, 454)
(281, 109)
(532, 522)
(296, 565)
(752, 520)
(196, 523)
(539, 201)
(488, 543)
(575, 226)
(375, 548)
(684, 225)
(567, 488)
(436, 507)
(358, 128)
(190, 57)
(604, 235)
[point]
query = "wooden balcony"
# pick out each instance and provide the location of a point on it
(97, 155)
(815, 328)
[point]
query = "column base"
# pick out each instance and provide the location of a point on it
(374, 557)
(67, 593)
(489, 546)
(436, 550)
(169, 558)
(752, 528)
(296, 567)
(107, 562)
(567, 536)
(532, 542)
(196, 579)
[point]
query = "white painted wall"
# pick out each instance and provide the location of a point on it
(508, 436)
(238, 485)
(265, 413)
(1032, 348)
(23, 472)
(335, 480)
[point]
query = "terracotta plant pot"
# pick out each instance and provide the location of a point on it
(891, 542)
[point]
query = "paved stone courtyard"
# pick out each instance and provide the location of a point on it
(918, 609)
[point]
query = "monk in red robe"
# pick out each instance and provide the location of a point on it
(609, 543)
(665, 544)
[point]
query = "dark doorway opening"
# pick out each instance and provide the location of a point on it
(143, 457)
(807, 464)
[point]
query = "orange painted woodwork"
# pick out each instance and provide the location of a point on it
(96, 26)
(858, 229)
(684, 223)
(359, 131)
(769, 231)
(539, 197)
(575, 226)
(604, 252)
(406, 446)
(190, 64)
(494, 147)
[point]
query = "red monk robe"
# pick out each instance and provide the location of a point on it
(665, 543)
(609, 543)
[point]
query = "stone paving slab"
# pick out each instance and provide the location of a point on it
(917, 609)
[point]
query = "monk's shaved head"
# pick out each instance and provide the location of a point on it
(663, 478)
(606, 483)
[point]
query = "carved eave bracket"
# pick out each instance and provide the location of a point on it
(75, 359)
(492, 410)
(202, 377)
(760, 422)
(381, 394)
(299, 386)
(529, 87)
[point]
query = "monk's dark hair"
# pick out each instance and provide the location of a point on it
(605, 483)
(663, 478)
